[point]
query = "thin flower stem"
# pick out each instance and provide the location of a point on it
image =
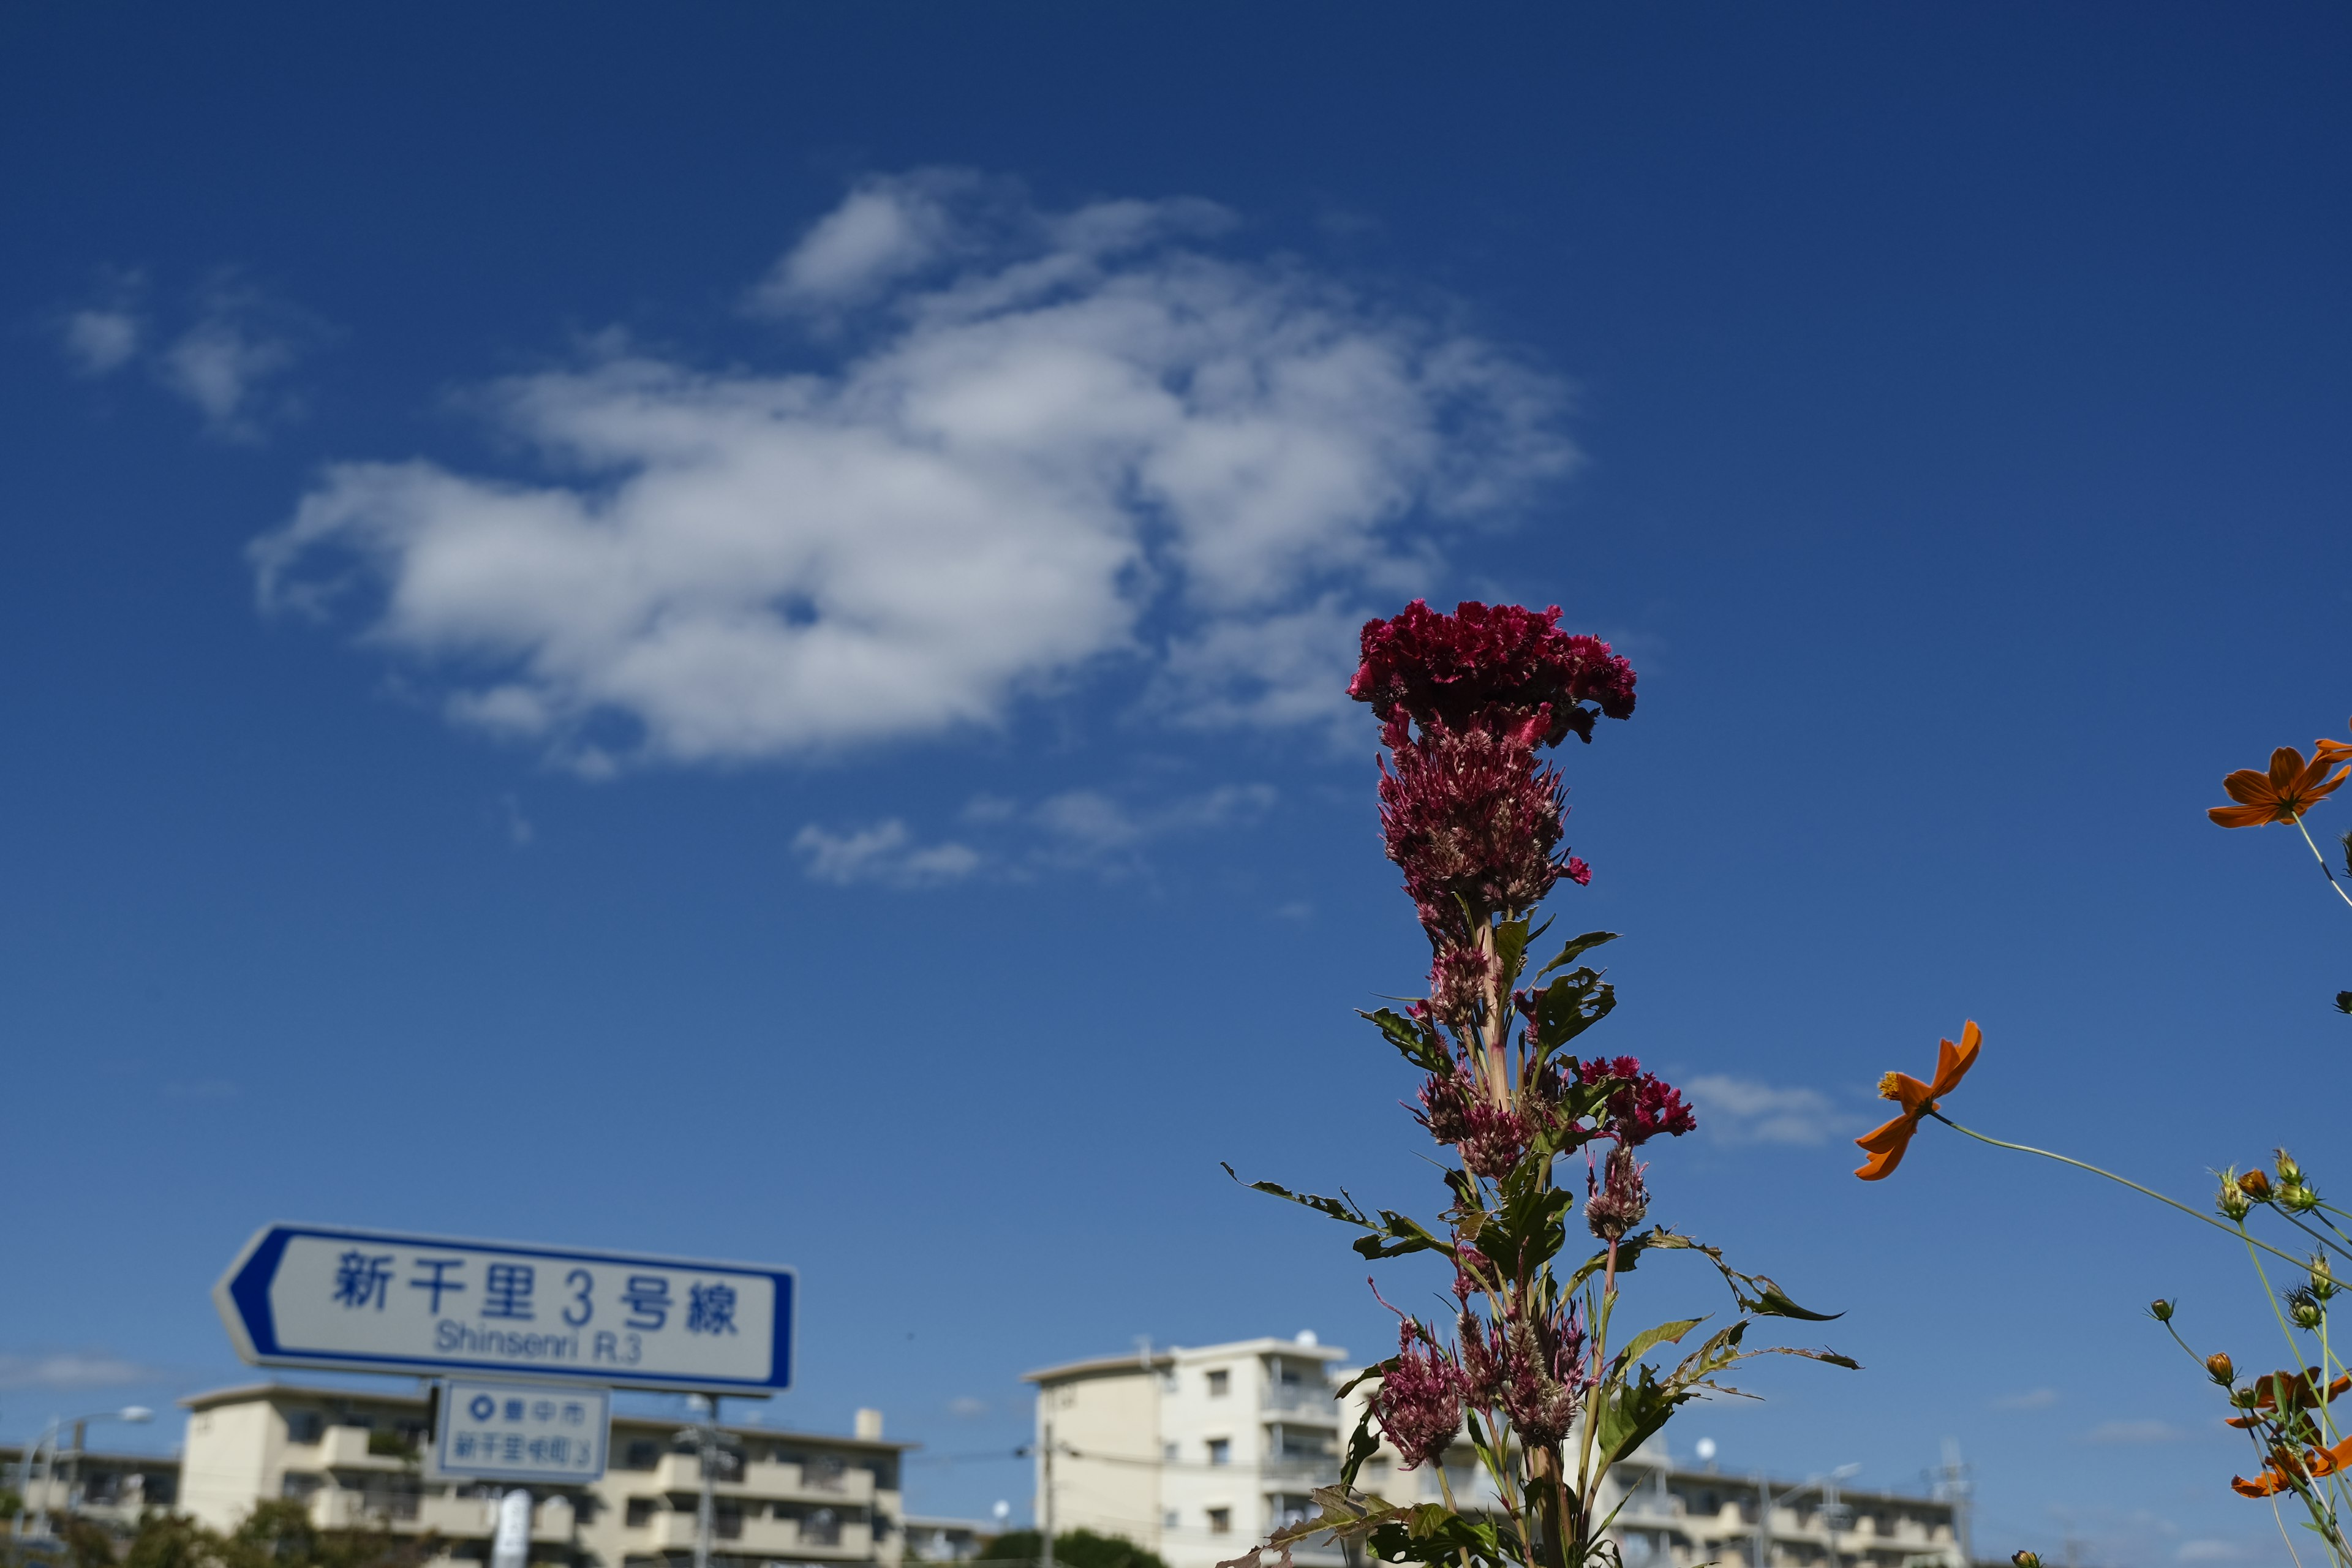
(2324, 870)
(2149, 1191)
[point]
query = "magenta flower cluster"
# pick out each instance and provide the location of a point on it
(1464, 700)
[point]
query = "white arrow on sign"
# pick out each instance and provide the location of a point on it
(365, 1300)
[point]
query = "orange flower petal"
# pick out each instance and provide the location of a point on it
(2270, 1484)
(2243, 816)
(1886, 1145)
(2287, 766)
(2322, 791)
(2327, 1461)
(1953, 1062)
(2250, 787)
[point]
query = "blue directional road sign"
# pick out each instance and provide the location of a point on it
(365, 1300)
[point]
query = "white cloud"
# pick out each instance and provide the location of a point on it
(2032, 1399)
(1068, 438)
(1743, 1110)
(885, 853)
(1076, 830)
(2134, 1432)
(63, 1369)
(965, 1406)
(100, 341)
(227, 366)
(2209, 1551)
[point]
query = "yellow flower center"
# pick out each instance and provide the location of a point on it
(1888, 1087)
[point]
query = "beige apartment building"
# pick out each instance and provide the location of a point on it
(784, 1500)
(1196, 1453)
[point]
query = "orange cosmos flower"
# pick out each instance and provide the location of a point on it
(2283, 793)
(2285, 1469)
(2291, 1391)
(1887, 1144)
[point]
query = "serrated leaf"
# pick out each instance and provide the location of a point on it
(1576, 948)
(1664, 1334)
(1418, 1045)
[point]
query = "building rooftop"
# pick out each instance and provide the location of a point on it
(1159, 1360)
(245, 1393)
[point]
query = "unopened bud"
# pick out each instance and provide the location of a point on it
(2026, 1559)
(2306, 1312)
(2298, 1199)
(2290, 1174)
(2160, 1310)
(2255, 1185)
(2231, 1200)
(2220, 1367)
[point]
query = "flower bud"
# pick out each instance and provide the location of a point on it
(2233, 1203)
(2305, 1309)
(2323, 1278)
(2026, 1559)
(2220, 1368)
(2290, 1174)
(2298, 1199)
(2256, 1185)
(2160, 1310)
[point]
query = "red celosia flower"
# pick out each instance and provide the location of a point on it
(1496, 667)
(1419, 1401)
(1641, 1106)
(1543, 1375)
(1471, 818)
(1616, 1198)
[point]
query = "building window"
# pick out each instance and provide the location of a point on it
(641, 1513)
(1220, 1522)
(1168, 1452)
(821, 1528)
(1171, 1519)
(301, 1484)
(1220, 1383)
(1221, 1451)
(305, 1425)
(644, 1454)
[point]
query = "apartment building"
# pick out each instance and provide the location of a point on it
(1680, 1517)
(1191, 1453)
(1194, 1454)
(783, 1499)
(112, 1489)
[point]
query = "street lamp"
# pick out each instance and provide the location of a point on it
(136, 1415)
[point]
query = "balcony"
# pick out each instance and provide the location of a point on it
(812, 1483)
(762, 1535)
(1314, 1400)
(341, 1448)
(464, 1518)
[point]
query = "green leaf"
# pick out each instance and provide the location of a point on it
(1417, 1043)
(1576, 948)
(1392, 1235)
(1664, 1334)
(1569, 1005)
(1511, 947)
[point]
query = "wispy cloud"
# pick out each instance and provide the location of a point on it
(2032, 1399)
(228, 361)
(885, 853)
(2208, 1550)
(65, 1370)
(1054, 443)
(230, 364)
(2149, 1431)
(966, 1407)
(1076, 830)
(1746, 1111)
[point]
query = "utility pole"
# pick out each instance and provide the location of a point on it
(1951, 1484)
(705, 1448)
(1046, 1458)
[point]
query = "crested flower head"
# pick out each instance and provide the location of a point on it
(1640, 1105)
(1472, 819)
(1419, 1401)
(1494, 666)
(1615, 1195)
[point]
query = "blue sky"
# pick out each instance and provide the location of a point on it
(720, 632)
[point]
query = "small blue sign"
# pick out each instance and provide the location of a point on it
(365, 1300)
